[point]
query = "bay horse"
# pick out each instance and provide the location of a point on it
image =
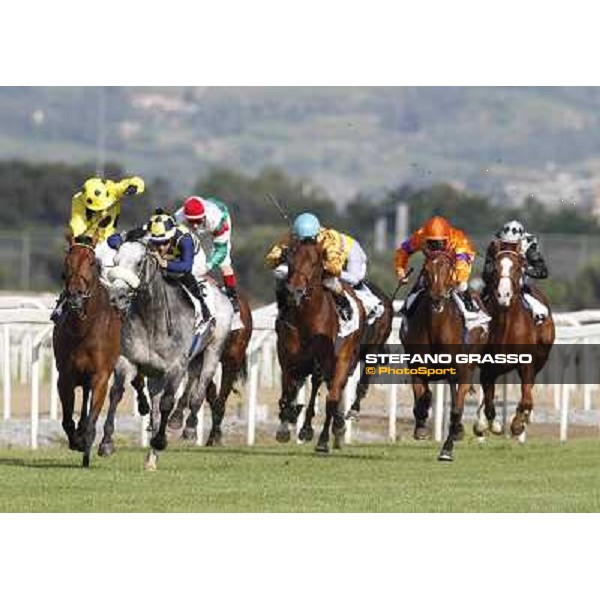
(308, 343)
(233, 363)
(375, 336)
(436, 325)
(512, 328)
(86, 342)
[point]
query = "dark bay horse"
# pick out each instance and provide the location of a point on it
(437, 326)
(512, 329)
(375, 335)
(233, 364)
(308, 343)
(86, 344)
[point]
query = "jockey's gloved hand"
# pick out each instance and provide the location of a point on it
(105, 222)
(401, 273)
(131, 189)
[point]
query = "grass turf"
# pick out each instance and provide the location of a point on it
(502, 476)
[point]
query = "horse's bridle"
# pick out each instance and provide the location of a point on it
(304, 293)
(515, 278)
(433, 256)
(77, 301)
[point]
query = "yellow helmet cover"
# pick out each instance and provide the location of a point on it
(96, 195)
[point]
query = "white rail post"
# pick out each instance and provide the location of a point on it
(349, 395)
(392, 411)
(35, 397)
(6, 371)
(505, 407)
(252, 394)
(53, 388)
(438, 411)
(564, 411)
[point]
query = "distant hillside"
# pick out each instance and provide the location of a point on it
(345, 139)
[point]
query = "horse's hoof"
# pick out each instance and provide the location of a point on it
(283, 434)
(446, 455)
(159, 442)
(150, 462)
(176, 420)
(479, 429)
(421, 433)
(306, 434)
(189, 434)
(86, 461)
(106, 449)
(322, 448)
(496, 427)
(352, 415)
(517, 427)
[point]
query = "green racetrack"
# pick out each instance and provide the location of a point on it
(405, 477)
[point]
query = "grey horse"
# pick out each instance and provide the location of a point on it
(157, 333)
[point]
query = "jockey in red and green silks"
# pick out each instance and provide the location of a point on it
(211, 215)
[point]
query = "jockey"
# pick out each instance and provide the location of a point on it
(212, 216)
(95, 211)
(345, 260)
(513, 232)
(174, 250)
(438, 235)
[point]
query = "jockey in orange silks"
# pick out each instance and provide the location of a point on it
(438, 235)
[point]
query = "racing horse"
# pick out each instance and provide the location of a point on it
(436, 325)
(86, 343)
(233, 363)
(157, 334)
(308, 343)
(375, 336)
(512, 329)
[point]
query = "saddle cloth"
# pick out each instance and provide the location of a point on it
(351, 325)
(373, 305)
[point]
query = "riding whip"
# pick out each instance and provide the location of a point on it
(402, 282)
(279, 207)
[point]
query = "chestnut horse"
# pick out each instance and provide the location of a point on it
(375, 336)
(512, 329)
(86, 344)
(308, 343)
(437, 326)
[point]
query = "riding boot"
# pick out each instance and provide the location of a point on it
(233, 297)
(345, 308)
(469, 302)
(281, 296)
(191, 283)
(58, 308)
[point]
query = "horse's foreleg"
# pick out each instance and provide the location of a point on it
(455, 429)
(307, 432)
(99, 388)
(217, 406)
(176, 418)
(216, 415)
(287, 410)
(334, 416)
(139, 385)
(115, 395)
(525, 406)
(66, 392)
(486, 413)
(422, 404)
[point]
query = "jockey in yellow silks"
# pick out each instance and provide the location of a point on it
(95, 211)
(344, 259)
(437, 234)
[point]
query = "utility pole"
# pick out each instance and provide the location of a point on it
(101, 132)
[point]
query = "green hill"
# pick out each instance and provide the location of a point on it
(345, 139)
